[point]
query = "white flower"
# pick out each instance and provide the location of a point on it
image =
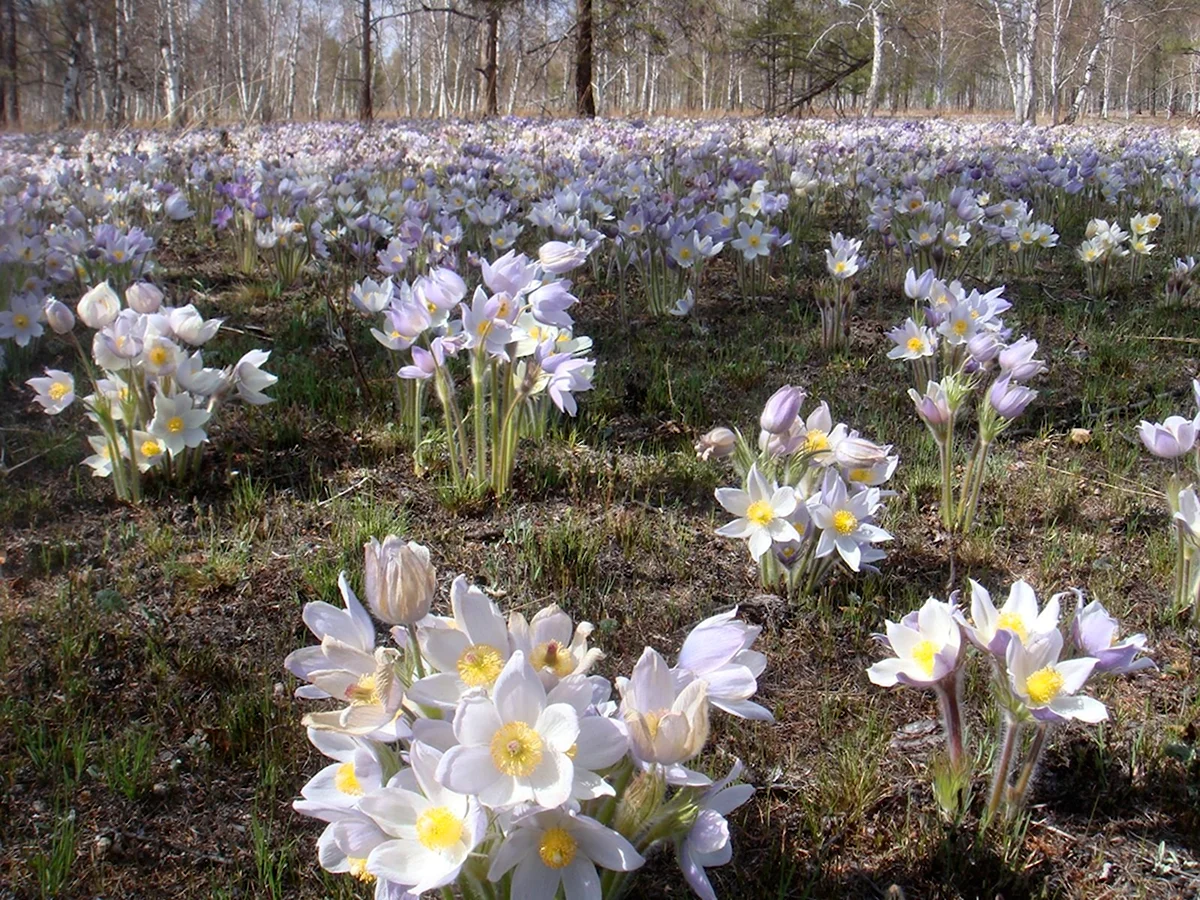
(707, 843)
(55, 391)
(991, 629)
(191, 328)
(399, 580)
(434, 828)
(1048, 687)
(251, 380)
(554, 649)
(666, 726)
(718, 651)
(178, 423)
(762, 510)
(467, 651)
(100, 462)
(912, 341)
(148, 450)
(99, 306)
(513, 747)
(843, 520)
(559, 847)
(926, 645)
(22, 323)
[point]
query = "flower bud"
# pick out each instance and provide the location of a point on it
(781, 409)
(640, 800)
(716, 444)
(99, 306)
(60, 317)
(143, 297)
(1009, 400)
(400, 581)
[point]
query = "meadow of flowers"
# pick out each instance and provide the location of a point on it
(615, 470)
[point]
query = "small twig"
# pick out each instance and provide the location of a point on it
(1157, 495)
(339, 494)
(8, 470)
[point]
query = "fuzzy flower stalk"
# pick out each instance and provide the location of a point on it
(960, 354)
(484, 755)
(152, 398)
(1038, 669)
(811, 495)
(835, 298)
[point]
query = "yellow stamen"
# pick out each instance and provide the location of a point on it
(480, 665)
(58, 390)
(760, 512)
(439, 829)
(151, 447)
(159, 356)
(553, 656)
(923, 655)
(557, 848)
(346, 781)
(816, 441)
(844, 521)
(20, 320)
(358, 869)
(175, 425)
(1014, 623)
(1044, 685)
(365, 691)
(516, 749)
(916, 345)
(960, 327)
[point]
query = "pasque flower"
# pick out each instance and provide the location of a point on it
(546, 850)
(992, 629)
(400, 581)
(55, 391)
(926, 647)
(665, 726)
(1048, 686)
(762, 512)
(1095, 632)
(512, 747)
(1169, 439)
(707, 843)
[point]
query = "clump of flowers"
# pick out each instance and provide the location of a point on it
(1039, 672)
(811, 492)
(835, 298)
(152, 397)
(1175, 439)
(1106, 241)
(517, 341)
(1180, 283)
(481, 753)
(958, 347)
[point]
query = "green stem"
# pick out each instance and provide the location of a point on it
(479, 414)
(1036, 746)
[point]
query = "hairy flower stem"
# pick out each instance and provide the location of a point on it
(453, 433)
(947, 695)
(479, 414)
(1008, 749)
(1016, 798)
(972, 485)
(946, 458)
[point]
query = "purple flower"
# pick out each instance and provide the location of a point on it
(423, 365)
(1095, 634)
(707, 843)
(1017, 360)
(781, 409)
(1009, 401)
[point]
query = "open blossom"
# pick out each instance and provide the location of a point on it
(553, 848)
(22, 323)
(513, 747)
(844, 521)
(431, 830)
(926, 647)
(912, 341)
(55, 391)
(554, 648)
(762, 511)
(992, 629)
(1048, 686)
(251, 380)
(177, 422)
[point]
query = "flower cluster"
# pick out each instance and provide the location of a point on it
(1106, 241)
(1175, 439)
(958, 345)
(1039, 672)
(485, 753)
(152, 396)
(836, 298)
(517, 336)
(812, 492)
